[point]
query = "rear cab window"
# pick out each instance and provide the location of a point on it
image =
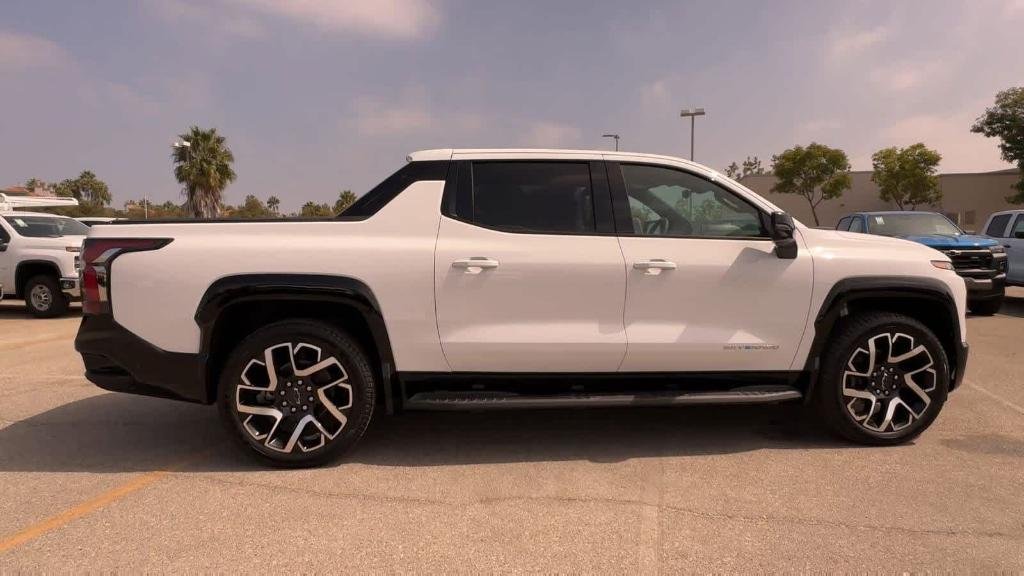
(538, 197)
(997, 227)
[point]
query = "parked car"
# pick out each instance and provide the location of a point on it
(38, 260)
(979, 260)
(1008, 228)
(496, 279)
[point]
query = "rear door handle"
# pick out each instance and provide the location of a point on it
(475, 264)
(654, 265)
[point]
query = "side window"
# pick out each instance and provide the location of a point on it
(668, 202)
(538, 197)
(1018, 227)
(844, 223)
(997, 227)
(857, 224)
(4, 236)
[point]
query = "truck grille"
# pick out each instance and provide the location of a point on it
(973, 263)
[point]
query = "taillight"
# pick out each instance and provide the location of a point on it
(98, 255)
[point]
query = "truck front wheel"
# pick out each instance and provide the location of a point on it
(884, 379)
(297, 393)
(44, 297)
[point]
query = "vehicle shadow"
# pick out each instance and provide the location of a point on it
(16, 310)
(124, 433)
(1012, 306)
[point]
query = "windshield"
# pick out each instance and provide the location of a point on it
(922, 224)
(46, 226)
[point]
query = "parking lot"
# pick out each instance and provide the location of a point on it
(92, 480)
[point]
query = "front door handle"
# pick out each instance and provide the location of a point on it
(475, 264)
(654, 264)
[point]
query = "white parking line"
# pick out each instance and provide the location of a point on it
(996, 397)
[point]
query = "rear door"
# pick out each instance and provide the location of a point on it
(529, 276)
(705, 291)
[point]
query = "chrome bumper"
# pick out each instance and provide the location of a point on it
(71, 287)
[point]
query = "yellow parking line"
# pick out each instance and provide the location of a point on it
(37, 530)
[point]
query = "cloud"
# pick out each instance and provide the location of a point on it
(551, 135)
(909, 75)
(28, 51)
(817, 128)
(656, 94)
(962, 151)
(412, 114)
(400, 19)
(846, 43)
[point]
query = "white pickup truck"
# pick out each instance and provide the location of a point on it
(495, 279)
(39, 255)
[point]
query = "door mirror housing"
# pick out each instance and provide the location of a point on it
(3, 246)
(782, 230)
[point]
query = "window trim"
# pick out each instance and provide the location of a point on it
(1013, 226)
(624, 220)
(458, 201)
(863, 225)
(839, 225)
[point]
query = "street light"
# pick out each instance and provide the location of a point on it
(692, 115)
(615, 136)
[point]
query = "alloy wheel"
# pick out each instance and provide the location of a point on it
(888, 382)
(293, 397)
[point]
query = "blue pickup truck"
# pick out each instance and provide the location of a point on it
(981, 261)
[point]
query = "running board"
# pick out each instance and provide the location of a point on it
(481, 400)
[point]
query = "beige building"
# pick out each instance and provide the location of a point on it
(968, 199)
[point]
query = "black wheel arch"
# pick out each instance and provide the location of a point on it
(234, 305)
(27, 269)
(928, 300)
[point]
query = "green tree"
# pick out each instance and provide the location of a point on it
(274, 204)
(203, 167)
(252, 207)
(345, 199)
(906, 176)
(34, 183)
(816, 172)
(1005, 121)
(314, 210)
(93, 194)
(751, 167)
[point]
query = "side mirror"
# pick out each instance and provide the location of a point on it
(782, 230)
(3, 246)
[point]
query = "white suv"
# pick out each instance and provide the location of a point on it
(493, 279)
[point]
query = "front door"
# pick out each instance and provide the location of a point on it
(1014, 243)
(704, 291)
(524, 281)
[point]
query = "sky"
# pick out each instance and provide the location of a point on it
(317, 96)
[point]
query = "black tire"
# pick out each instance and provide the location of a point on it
(278, 445)
(985, 307)
(44, 297)
(840, 410)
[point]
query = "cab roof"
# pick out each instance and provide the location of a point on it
(553, 153)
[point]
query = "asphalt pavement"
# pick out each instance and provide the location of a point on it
(91, 480)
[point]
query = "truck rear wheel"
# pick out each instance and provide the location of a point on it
(884, 379)
(297, 393)
(44, 297)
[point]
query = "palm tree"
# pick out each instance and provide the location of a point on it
(273, 203)
(202, 165)
(345, 199)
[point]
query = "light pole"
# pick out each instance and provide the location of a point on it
(177, 144)
(692, 115)
(615, 136)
